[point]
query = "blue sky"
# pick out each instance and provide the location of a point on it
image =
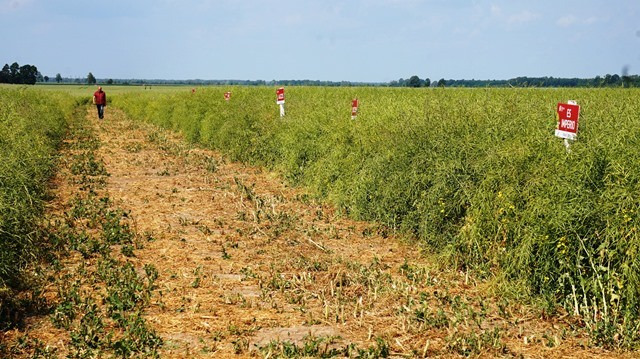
(355, 40)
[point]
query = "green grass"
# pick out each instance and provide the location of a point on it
(476, 174)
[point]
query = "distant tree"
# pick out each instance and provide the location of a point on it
(5, 75)
(46, 79)
(16, 74)
(427, 82)
(91, 80)
(414, 81)
(615, 80)
(597, 81)
(28, 75)
(14, 71)
(442, 83)
(58, 78)
(110, 82)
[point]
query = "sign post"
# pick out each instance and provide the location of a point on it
(568, 115)
(280, 100)
(354, 108)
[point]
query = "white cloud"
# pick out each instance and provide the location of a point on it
(571, 20)
(523, 17)
(591, 20)
(511, 18)
(566, 21)
(496, 10)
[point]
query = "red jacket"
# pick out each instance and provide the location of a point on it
(100, 97)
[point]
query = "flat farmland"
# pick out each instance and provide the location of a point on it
(439, 222)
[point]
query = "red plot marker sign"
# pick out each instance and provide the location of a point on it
(227, 96)
(568, 114)
(280, 100)
(280, 96)
(354, 108)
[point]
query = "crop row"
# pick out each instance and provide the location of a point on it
(32, 124)
(476, 174)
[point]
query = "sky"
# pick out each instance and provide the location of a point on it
(329, 40)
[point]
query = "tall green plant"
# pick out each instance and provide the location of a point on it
(476, 174)
(32, 124)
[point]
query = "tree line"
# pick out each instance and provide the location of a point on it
(607, 81)
(16, 74)
(413, 81)
(29, 75)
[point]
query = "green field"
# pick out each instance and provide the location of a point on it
(476, 174)
(83, 90)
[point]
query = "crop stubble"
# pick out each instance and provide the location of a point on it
(246, 264)
(245, 260)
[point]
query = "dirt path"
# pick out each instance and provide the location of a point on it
(243, 259)
(249, 267)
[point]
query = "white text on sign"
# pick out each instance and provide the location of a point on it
(568, 115)
(568, 124)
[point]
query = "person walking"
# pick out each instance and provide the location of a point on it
(100, 100)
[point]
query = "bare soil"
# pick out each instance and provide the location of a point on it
(248, 265)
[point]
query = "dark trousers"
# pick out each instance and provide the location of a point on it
(100, 111)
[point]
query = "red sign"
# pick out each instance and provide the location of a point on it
(568, 114)
(280, 95)
(227, 96)
(354, 108)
